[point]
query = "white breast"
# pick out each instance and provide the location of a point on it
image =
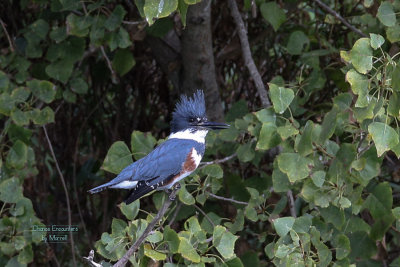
(198, 136)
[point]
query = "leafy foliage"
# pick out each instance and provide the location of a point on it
(329, 198)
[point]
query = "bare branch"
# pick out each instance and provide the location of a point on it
(109, 64)
(340, 18)
(228, 199)
(149, 228)
(291, 203)
(91, 261)
(217, 161)
(248, 59)
(65, 191)
(133, 22)
(8, 36)
(205, 215)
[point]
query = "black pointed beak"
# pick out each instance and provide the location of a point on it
(213, 125)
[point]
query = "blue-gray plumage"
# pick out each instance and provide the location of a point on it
(174, 159)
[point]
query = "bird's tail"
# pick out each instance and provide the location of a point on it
(141, 190)
(100, 188)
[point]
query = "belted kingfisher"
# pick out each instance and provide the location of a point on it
(174, 159)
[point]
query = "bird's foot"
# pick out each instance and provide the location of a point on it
(172, 191)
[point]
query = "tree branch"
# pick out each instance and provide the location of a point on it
(65, 191)
(248, 59)
(340, 18)
(217, 161)
(8, 36)
(228, 199)
(149, 228)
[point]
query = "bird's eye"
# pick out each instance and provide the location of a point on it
(191, 120)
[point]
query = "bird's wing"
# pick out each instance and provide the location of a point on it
(164, 161)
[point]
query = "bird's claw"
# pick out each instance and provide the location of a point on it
(172, 196)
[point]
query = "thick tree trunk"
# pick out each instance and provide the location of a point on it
(198, 58)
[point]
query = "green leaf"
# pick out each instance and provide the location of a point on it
(360, 86)
(266, 116)
(296, 43)
(118, 157)
(60, 70)
(304, 147)
(245, 152)
(281, 97)
(287, 131)
(154, 9)
(79, 86)
(185, 197)
(226, 245)
(20, 94)
(69, 96)
(362, 247)
(10, 190)
(18, 155)
(42, 117)
(386, 14)
(224, 242)
(213, 170)
(6, 104)
(115, 19)
(40, 28)
(153, 254)
(19, 117)
(393, 33)
(187, 251)
(4, 81)
(396, 79)
(268, 138)
(295, 166)
(376, 40)
(361, 55)
(123, 61)
(272, 13)
(283, 225)
(318, 178)
(384, 136)
(44, 90)
(130, 211)
(172, 239)
(328, 126)
(141, 144)
(161, 27)
(333, 215)
(26, 255)
(119, 39)
(280, 181)
(302, 224)
(78, 26)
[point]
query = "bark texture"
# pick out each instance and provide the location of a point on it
(198, 58)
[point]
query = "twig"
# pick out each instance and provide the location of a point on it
(217, 161)
(65, 191)
(228, 199)
(340, 18)
(205, 215)
(177, 209)
(8, 36)
(248, 59)
(133, 22)
(109, 65)
(148, 229)
(291, 203)
(91, 261)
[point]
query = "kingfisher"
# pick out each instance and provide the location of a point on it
(174, 159)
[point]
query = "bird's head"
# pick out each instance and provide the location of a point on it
(190, 113)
